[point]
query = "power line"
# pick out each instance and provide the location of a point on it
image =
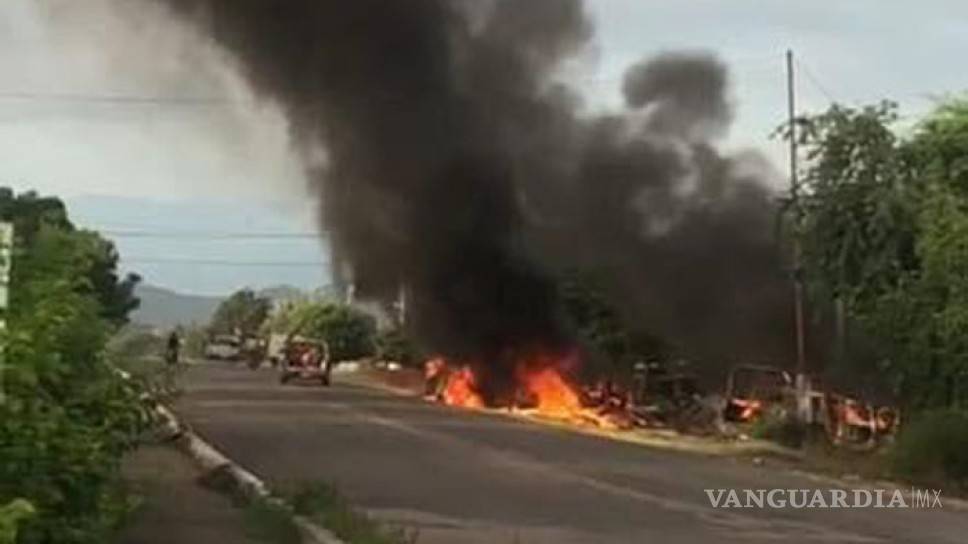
(221, 262)
(816, 81)
(238, 235)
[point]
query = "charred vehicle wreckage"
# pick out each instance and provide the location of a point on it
(670, 396)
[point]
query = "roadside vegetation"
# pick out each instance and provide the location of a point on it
(67, 418)
(242, 313)
(324, 505)
(883, 223)
(273, 521)
(931, 450)
(350, 333)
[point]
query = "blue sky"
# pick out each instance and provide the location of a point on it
(195, 246)
(227, 167)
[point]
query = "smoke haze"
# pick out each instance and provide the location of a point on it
(446, 157)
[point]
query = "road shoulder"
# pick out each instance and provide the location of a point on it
(174, 507)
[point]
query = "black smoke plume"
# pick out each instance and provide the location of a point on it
(447, 158)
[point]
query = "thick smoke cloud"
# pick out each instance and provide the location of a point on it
(446, 158)
(686, 93)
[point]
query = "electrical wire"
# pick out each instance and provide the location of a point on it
(222, 262)
(237, 235)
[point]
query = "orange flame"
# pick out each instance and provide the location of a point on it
(553, 396)
(461, 389)
(556, 399)
(749, 409)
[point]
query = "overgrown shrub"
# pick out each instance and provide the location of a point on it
(933, 449)
(67, 417)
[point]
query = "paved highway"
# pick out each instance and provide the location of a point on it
(463, 477)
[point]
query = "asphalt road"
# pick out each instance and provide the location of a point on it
(463, 477)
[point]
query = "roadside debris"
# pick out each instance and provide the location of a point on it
(669, 397)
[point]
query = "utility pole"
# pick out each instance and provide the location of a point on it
(801, 384)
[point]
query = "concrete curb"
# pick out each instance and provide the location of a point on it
(210, 460)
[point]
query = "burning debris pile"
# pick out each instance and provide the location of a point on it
(543, 392)
(450, 156)
(660, 399)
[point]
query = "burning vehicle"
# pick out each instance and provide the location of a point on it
(754, 391)
(544, 391)
(858, 425)
(751, 389)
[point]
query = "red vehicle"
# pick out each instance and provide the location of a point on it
(306, 359)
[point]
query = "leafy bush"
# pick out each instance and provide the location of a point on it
(932, 449)
(67, 416)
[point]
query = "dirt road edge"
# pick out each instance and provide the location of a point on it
(210, 460)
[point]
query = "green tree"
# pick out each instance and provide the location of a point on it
(284, 318)
(67, 417)
(350, 333)
(244, 311)
(46, 235)
(885, 228)
(858, 203)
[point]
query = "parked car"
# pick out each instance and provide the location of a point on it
(224, 347)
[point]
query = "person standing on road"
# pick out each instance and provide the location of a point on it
(171, 352)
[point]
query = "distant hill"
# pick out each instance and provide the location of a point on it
(162, 307)
(165, 308)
